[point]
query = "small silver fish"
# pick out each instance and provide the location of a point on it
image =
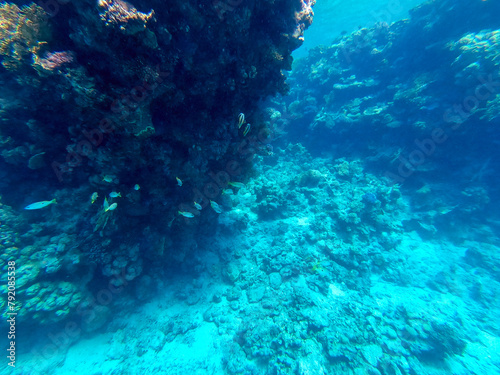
(114, 194)
(241, 120)
(179, 181)
(238, 185)
(198, 206)
(216, 207)
(185, 214)
(38, 205)
(136, 187)
(247, 129)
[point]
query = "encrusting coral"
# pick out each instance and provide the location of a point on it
(23, 31)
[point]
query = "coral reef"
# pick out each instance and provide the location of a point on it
(190, 220)
(23, 31)
(443, 99)
(141, 95)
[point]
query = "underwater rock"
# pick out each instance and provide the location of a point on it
(22, 31)
(37, 161)
(15, 156)
(311, 178)
(483, 255)
(370, 198)
(275, 280)
(255, 294)
(232, 272)
(124, 16)
(372, 354)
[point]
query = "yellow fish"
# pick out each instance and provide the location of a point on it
(179, 181)
(238, 185)
(94, 197)
(216, 207)
(186, 214)
(247, 129)
(111, 208)
(38, 205)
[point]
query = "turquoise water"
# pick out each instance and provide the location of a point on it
(175, 200)
(334, 17)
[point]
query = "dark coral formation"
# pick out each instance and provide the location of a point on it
(101, 97)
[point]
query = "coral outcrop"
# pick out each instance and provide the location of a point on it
(102, 97)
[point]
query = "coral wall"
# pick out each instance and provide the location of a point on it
(124, 97)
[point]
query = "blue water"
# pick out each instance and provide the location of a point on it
(335, 17)
(347, 225)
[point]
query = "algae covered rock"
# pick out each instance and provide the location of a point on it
(22, 32)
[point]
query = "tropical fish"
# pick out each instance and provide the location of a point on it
(216, 207)
(38, 205)
(445, 210)
(114, 194)
(227, 191)
(105, 204)
(241, 120)
(198, 206)
(108, 178)
(247, 129)
(112, 207)
(136, 187)
(179, 181)
(186, 214)
(238, 185)
(94, 197)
